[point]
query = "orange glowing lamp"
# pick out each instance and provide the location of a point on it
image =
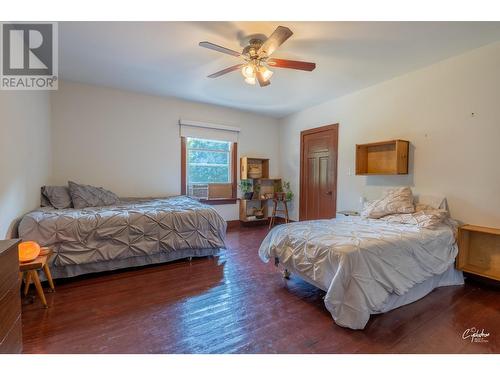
(28, 251)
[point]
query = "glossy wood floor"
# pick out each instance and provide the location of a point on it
(237, 304)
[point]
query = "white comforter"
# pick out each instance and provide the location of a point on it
(360, 262)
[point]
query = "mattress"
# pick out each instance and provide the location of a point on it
(363, 263)
(130, 233)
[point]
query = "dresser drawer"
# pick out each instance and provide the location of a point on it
(9, 269)
(10, 298)
(10, 310)
(12, 343)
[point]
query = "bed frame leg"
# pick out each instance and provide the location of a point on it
(286, 274)
(190, 259)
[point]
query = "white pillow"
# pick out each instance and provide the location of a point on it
(395, 201)
(421, 218)
(435, 201)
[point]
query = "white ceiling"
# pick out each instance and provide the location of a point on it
(163, 58)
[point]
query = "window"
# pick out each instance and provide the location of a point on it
(208, 169)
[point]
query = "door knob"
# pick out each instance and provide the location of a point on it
(329, 192)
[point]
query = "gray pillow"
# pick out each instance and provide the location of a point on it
(56, 196)
(44, 201)
(91, 196)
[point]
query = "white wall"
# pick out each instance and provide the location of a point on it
(129, 143)
(452, 152)
(25, 154)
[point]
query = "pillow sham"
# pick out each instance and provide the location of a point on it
(423, 218)
(394, 201)
(56, 196)
(90, 196)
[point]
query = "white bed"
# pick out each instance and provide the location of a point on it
(365, 266)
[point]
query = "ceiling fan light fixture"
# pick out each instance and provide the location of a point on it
(266, 73)
(250, 80)
(256, 58)
(248, 71)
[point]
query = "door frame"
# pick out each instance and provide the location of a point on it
(334, 127)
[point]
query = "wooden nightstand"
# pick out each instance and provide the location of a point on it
(30, 270)
(479, 251)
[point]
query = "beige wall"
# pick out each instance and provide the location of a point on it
(25, 154)
(129, 143)
(452, 152)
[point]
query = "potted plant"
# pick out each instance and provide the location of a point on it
(256, 191)
(246, 189)
(288, 192)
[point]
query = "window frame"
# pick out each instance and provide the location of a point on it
(213, 201)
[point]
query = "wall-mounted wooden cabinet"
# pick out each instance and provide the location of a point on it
(382, 158)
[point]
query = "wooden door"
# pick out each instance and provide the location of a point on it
(318, 173)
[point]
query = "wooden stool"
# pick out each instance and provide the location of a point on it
(278, 198)
(30, 272)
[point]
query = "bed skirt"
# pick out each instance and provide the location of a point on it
(448, 278)
(81, 269)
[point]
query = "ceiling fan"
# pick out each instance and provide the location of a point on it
(257, 58)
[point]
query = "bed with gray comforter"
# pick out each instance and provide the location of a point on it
(127, 234)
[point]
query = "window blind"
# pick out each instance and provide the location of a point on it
(205, 130)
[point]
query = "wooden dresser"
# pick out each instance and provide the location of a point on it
(479, 251)
(10, 298)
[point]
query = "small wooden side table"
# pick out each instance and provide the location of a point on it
(278, 198)
(30, 273)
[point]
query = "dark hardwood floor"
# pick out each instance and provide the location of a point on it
(237, 304)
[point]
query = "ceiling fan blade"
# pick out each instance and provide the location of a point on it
(262, 82)
(218, 48)
(292, 64)
(225, 71)
(277, 38)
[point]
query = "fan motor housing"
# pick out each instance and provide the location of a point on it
(252, 48)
